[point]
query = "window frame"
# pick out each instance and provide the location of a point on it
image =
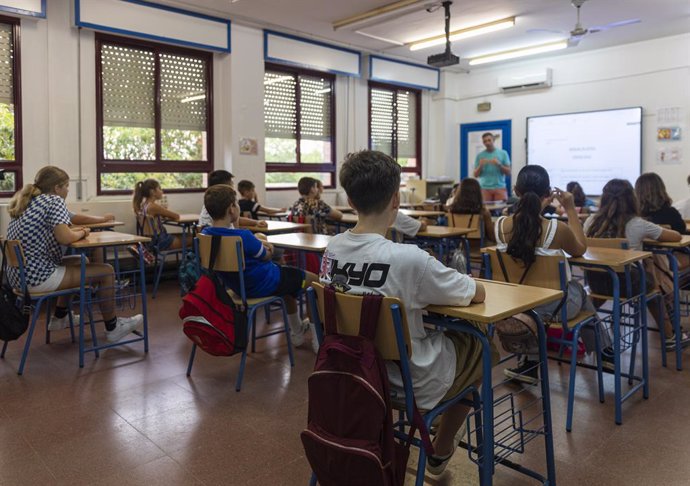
(299, 167)
(418, 127)
(15, 166)
(105, 166)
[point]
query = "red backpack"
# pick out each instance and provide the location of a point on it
(349, 438)
(209, 316)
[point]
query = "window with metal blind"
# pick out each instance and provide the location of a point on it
(10, 108)
(299, 124)
(394, 124)
(154, 117)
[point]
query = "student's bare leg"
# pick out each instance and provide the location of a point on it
(96, 273)
(451, 421)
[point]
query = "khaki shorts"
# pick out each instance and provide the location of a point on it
(468, 364)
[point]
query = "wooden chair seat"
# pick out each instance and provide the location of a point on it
(575, 320)
(36, 295)
(250, 301)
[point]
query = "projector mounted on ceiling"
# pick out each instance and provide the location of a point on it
(446, 58)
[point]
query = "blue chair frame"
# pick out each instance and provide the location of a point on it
(484, 419)
(36, 305)
(161, 255)
(251, 312)
(571, 342)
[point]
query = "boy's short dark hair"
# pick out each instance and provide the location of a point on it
(245, 186)
(220, 177)
(305, 184)
(217, 200)
(370, 179)
(488, 134)
(689, 180)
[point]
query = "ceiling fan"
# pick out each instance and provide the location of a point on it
(579, 31)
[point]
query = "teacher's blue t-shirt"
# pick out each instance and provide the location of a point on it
(261, 277)
(491, 176)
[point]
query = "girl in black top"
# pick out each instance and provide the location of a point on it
(655, 204)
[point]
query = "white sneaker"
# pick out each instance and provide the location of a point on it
(314, 339)
(60, 323)
(297, 338)
(124, 326)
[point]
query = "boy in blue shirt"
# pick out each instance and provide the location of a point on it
(262, 277)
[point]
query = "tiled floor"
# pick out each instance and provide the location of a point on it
(134, 419)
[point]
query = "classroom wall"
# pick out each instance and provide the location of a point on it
(59, 109)
(653, 74)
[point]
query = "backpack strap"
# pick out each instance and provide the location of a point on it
(330, 325)
(215, 249)
(505, 272)
(369, 316)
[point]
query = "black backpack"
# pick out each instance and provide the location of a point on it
(14, 321)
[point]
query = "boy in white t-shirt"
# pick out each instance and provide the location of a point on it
(442, 364)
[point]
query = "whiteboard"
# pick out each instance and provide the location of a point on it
(589, 147)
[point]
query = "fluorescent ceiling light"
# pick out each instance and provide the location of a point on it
(193, 98)
(279, 79)
(463, 33)
(382, 39)
(380, 14)
(322, 91)
(524, 51)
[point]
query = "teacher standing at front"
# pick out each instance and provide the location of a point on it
(491, 167)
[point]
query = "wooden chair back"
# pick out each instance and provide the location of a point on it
(11, 253)
(471, 221)
(544, 272)
(227, 259)
(347, 312)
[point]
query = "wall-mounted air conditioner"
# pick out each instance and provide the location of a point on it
(535, 79)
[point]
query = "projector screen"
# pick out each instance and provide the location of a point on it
(590, 147)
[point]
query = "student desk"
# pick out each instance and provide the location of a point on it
(188, 224)
(612, 260)
(442, 236)
(108, 225)
(301, 241)
(344, 209)
(277, 227)
(671, 249)
(108, 239)
(276, 216)
(513, 431)
(414, 213)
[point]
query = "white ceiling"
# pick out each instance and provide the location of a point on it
(314, 18)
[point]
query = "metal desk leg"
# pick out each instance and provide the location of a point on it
(617, 344)
(144, 306)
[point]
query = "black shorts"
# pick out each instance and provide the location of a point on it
(291, 282)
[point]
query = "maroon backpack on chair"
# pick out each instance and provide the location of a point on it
(349, 437)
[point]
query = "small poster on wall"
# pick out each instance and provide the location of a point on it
(669, 155)
(249, 146)
(668, 133)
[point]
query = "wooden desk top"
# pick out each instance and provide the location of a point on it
(107, 224)
(413, 213)
(301, 241)
(108, 238)
(683, 243)
(349, 219)
(275, 227)
(610, 257)
(186, 219)
(502, 300)
(344, 209)
(444, 232)
(282, 214)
